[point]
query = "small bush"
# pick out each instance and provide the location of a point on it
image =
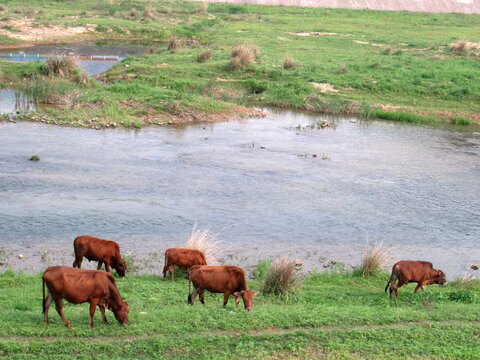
(375, 258)
(458, 120)
(205, 56)
(3, 8)
(280, 277)
(147, 12)
(342, 69)
(59, 65)
(205, 241)
(261, 268)
(133, 12)
(242, 55)
(19, 11)
(466, 281)
(387, 51)
(289, 63)
(459, 47)
(255, 87)
(177, 44)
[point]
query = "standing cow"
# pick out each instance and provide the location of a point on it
(183, 258)
(101, 250)
(78, 286)
(226, 279)
(421, 272)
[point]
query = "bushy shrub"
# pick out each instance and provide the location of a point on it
(280, 278)
(205, 56)
(177, 44)
(375, 258)
(289, 63)
(242, 55)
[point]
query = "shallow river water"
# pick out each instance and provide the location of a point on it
(255, 182)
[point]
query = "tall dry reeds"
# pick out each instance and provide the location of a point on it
(205, 56)
(280, 278)
(177, 44)
(205, 241)
(375, 258)
(244, 54)
(60, 65)
(289, 63)
(459, 46)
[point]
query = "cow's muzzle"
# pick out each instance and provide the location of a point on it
(249, 309)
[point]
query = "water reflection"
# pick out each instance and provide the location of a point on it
(12, 101)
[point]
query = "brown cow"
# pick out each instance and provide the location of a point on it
(78, 286)
(100, 250)
(421, 272)
(226, 279)
(183, 258)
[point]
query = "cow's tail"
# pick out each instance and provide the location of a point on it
(43, 288)
(189, 299)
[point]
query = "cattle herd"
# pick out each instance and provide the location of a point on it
(99, 287)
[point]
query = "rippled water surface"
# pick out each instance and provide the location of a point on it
(255, 182)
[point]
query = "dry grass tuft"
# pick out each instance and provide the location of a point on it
(177, 44)
(205, 56)
(342, 69)
(387, 51)
(19, 11)
(244, 54)
(466, 281)
(60, 65)
(375, 258)
(147, 12)
(110, 3)
(3, 8)
(203, 9)
(133, 12)
(203, 240)
(280, 278)
(289, 63)
(459, 46)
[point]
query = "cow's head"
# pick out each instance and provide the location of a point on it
(441, 278)
(121, 312)
(247, 296)
(121, 267)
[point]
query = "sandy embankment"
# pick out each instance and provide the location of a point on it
(455, 6)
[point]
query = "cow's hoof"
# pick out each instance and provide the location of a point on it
(68, 325)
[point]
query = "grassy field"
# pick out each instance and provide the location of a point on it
(332, 315)
(396, 65)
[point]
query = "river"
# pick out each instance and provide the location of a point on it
(256, 183)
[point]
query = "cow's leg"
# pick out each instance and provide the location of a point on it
(165, 271)
(419, 285)
(48, 302)
(93, 307)
(225, 297)
(192, 296)
(399, 284)
(201, 296)
(102, 310)
(78, 261)
(237, 300)
(59, 308)
(171, 269)
(99, 266)
(106, 261)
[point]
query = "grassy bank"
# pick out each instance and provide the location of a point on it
(332, 315)
(404, 66)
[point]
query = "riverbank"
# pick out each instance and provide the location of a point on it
(415, 67)
(331, 315)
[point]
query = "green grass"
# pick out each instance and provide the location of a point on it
(402, 59)
(331, 315)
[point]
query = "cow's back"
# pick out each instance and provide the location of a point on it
(413, 270)
(78, 285)
(95, 248)
(218, 278)
(185, 257)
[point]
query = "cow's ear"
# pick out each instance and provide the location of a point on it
(255, 293)
(237, 294)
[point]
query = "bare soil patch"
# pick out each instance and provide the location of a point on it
(324, 87)
(28, 31)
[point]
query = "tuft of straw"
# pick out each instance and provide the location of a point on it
(205, 241)
(459, 46)
(244, 54)
(177, 44)
(289, 63)
(60, 65)
(205, 56)
(280, 277)
(375, 258)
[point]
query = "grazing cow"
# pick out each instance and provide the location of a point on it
(421, 272)
(226, 279)
(101, 250)
(78, 286)
(183, 258)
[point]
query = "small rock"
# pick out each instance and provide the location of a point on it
(314, 155)
(20, 256)
(143, 312)
(126, 65)
(298, 263)
(474, 267)
(353, 121)
(262, 147)
(324, 157)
